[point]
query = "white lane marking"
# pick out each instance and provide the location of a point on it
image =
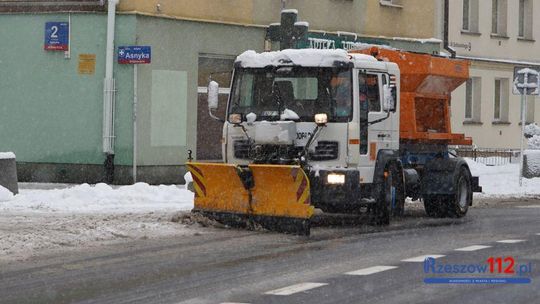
(371, 270)
(421, 258)
(529, 207)
(233, 303)
(538, 234)
(510, 241)
(289, 290)
(473, 248)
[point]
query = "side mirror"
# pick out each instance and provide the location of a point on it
(213, 93)
(389, 103)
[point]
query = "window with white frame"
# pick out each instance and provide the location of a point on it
(472, 99)
(468, 99)
(498, 17)
(525, 19)
(470, 16)
(501, 95)
(393, 3)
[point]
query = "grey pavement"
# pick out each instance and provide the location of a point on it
(260, 267)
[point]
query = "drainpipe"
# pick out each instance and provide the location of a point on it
(445, 34)
(109, 90)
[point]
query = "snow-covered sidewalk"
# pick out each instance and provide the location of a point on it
(98, 199)
(41, 220)
(503, 181)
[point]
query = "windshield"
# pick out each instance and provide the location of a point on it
(267, 92)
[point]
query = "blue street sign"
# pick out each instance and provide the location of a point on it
(134, 54)
(56, 36)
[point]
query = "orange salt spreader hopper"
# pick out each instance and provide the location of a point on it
(426, 84)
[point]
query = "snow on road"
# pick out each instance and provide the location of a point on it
(40, 221)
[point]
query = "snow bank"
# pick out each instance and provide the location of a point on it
(7, 155)
(503, 180)
(5, 194)
(102, 198)
(534, 142)
(302, 57)
(532, 129)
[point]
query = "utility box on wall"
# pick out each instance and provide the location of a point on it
(8, 172)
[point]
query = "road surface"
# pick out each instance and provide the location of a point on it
(334, 265)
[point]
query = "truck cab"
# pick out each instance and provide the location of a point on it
(272, 109)
(337, 131)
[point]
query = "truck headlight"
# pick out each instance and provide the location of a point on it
(321, 119)
(335, 178)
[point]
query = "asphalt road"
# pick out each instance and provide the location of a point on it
(259, 267)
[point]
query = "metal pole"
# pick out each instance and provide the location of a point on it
(67, 54)
(523, 113)
(135, 76)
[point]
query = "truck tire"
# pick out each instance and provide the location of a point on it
(434, 205)
(458, 204)
(388, 195)
(398, 202)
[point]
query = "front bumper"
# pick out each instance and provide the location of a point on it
(334, 197)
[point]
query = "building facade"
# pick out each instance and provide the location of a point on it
(495, 35)
(51, 113)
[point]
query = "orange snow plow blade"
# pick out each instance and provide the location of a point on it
(274, 197)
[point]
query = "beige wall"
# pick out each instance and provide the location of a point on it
(486, 133)
(321, 14)
(219, 10)
(484, 44)
(415, 18)
(490, 50)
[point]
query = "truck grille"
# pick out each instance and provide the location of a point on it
(241, 149)
(326, 150)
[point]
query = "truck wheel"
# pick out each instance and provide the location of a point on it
(387, 196)
(458, 204)
(434, 205)
(398, 199)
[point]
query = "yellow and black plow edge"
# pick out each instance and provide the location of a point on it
(276, 197)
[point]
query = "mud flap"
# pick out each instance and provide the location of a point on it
(273, 197)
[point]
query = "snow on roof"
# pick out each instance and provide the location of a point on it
(364, 46)
(421, 40)
(302, 57)
(301, 23)
(509, 61)
(364, 57)
(290, 10)
(7, 155)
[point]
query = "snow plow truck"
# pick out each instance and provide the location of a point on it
(335, 132)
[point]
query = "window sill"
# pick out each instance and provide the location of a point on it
(497, 122)
(472, 122)
(523, 39)
(499, 36)
(384, 3)
(526, 123)
(471, 33)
